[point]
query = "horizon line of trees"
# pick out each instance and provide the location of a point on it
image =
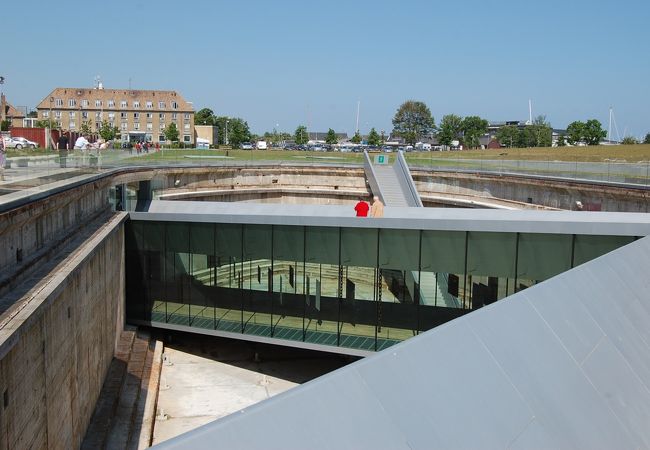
(413, 121)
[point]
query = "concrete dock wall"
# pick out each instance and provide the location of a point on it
(57, 342)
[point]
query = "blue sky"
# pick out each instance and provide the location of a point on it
(300, 62)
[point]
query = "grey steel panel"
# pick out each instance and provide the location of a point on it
(456, 219)
(569, 320)
(425, 398)
(547, 376)
(560, 365)
(622, 389)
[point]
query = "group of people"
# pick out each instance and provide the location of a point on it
(362, 208)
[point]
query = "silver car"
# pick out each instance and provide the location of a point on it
(20, 142)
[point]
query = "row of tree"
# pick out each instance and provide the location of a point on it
(414, 121)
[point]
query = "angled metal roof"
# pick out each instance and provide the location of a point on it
(564, 364)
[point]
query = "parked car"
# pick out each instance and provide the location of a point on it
(261, 145)
(246, 146)
(20, 142)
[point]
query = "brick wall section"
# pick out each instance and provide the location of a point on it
(55, 352)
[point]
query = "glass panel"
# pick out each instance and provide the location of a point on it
(229, 277)
(490, 268)
(399, 254)
(542, 256)
(203, 273)
(319, 277)
(177, 282)
(257, 277)
(358, 314)
(590, 247)
(288, 294)
(441, 277)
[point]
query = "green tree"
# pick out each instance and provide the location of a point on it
(47, 123)
(647, 139)
(449, 129)
(508, 135)
(301, 136)
(575, 132)
(204, 116)
(5, 125)
(473, 128)
(373, 138)
(356, 139)
(540, 132)
(171, 132)
(331, 137)
(107, 131)
(561, 142)
(87, 127)
(629, 140)
(593, 132)
(236, 128)
(413, 120)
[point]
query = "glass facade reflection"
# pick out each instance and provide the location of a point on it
(359, 288)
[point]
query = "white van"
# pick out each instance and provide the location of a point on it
(261, 145)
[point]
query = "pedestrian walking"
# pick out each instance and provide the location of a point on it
(362, 208)
(62, 145)
(377, 208)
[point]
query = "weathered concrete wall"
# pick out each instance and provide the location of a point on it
(270, 195)
(554, 194)
(56, 345)
(28, 232)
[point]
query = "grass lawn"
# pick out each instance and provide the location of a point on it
(12, 152)
(197, 156)
(601, 153)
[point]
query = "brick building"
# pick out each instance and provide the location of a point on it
(138, 114)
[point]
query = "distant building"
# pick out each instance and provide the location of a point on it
(207, 132)
(139, 115)
(8, 112)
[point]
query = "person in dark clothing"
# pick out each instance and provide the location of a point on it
(362, 208)
(62, 145)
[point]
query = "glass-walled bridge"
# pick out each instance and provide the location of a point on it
(315, 277)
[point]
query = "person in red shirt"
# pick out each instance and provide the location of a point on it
(362, 208)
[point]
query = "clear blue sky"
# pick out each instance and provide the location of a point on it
(298, 62)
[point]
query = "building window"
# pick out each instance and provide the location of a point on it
(149, 126)
(186, 127)
(161, 105)
(136, 104)
(57, 114)
(136, 115)
(149, 115)
(174, 105)
(84, 114)
(161, 138)
(72, 124)
(162, 125)
(187, 138)
(46, 114)
(72, 103)
(173, 116)
(98, 115)
(136, 125)
(111, 103)
(98, 103)
(58, 102)
(84, 103)
(111, 116)
(123, 104)
(186, 116)
(161, 116)
(124, 125)
(123, 115)
(149, 105)
(72, 114)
